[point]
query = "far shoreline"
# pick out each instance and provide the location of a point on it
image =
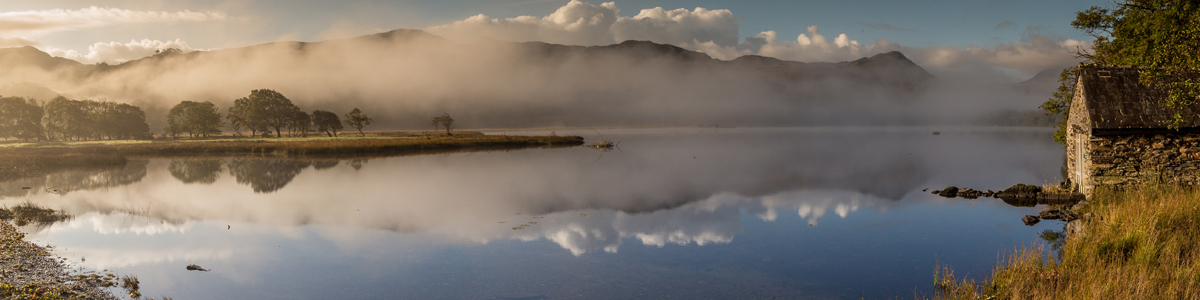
(20, 160)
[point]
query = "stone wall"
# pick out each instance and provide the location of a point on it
(1078, 133)
(1133, 159)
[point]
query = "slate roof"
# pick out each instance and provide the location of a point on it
(1115, 100)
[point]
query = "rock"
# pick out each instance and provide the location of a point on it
(196, 268)
(935, 192)
(1052, 214)
(1023, 189)
(1030, 220)
(969, 193)
(1058, 214)
(949, 192)
(1079, 206)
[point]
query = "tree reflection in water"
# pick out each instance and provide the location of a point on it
(266, 175)
(325, 164)
(76, 180)
(202, 171)
(357, 163)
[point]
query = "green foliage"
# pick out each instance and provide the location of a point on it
(445, 120)
(301, 123)
(240, 118)
(356, 119)
(122, 121)
(20, 118)
(1160, 35)
(198, 119)
(327, 122)
(1059, 103)
(262, 111)
(65, 120)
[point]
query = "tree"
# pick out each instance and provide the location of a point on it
(327, 122)
(1159, 35)
(66, 119)
(446, 121)
(356, 119)
(435, 121)
(194, 118)
(263, 110)
(301, 123)
(20, 118)
(237, 115)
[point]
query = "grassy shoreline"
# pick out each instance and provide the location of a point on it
(1138, 243)
(19, 160)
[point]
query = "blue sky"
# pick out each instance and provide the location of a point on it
(928, 29)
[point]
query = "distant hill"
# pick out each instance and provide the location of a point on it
(404, 76)
(27, 90)
(1044, 83)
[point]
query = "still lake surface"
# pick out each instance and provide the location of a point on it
(822, 213)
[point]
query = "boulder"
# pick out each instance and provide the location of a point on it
(1030, 220)
(949, 192)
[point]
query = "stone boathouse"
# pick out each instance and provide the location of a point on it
(1117, 133)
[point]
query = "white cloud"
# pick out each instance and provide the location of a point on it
(42, 21)
(714, 32)
(581, 23)
(576, 23)
(814, 46)
(117, 52)
(1031, 55)
(16, 27)
(679, 26)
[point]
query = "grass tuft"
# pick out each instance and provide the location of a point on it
(1140, 243)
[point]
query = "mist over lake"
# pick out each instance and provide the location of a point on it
(712, 212)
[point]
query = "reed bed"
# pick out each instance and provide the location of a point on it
(1139, 243)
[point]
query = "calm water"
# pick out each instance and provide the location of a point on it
(675, 214)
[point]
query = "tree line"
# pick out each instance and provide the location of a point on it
(62, 119)
(261, 114)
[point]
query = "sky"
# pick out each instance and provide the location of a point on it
(1016, 37)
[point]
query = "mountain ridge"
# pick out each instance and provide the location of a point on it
(406, 74)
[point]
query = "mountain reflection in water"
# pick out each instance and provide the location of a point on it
(665, 187)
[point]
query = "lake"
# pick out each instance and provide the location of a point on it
(712, 213)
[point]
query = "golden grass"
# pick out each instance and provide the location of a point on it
(1140, 243)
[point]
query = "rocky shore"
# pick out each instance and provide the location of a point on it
(29, 271)
(1064, 206)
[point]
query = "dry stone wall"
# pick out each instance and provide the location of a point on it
(1134, 159)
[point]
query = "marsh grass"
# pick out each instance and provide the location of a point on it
(29, 213)
(1140, 243)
